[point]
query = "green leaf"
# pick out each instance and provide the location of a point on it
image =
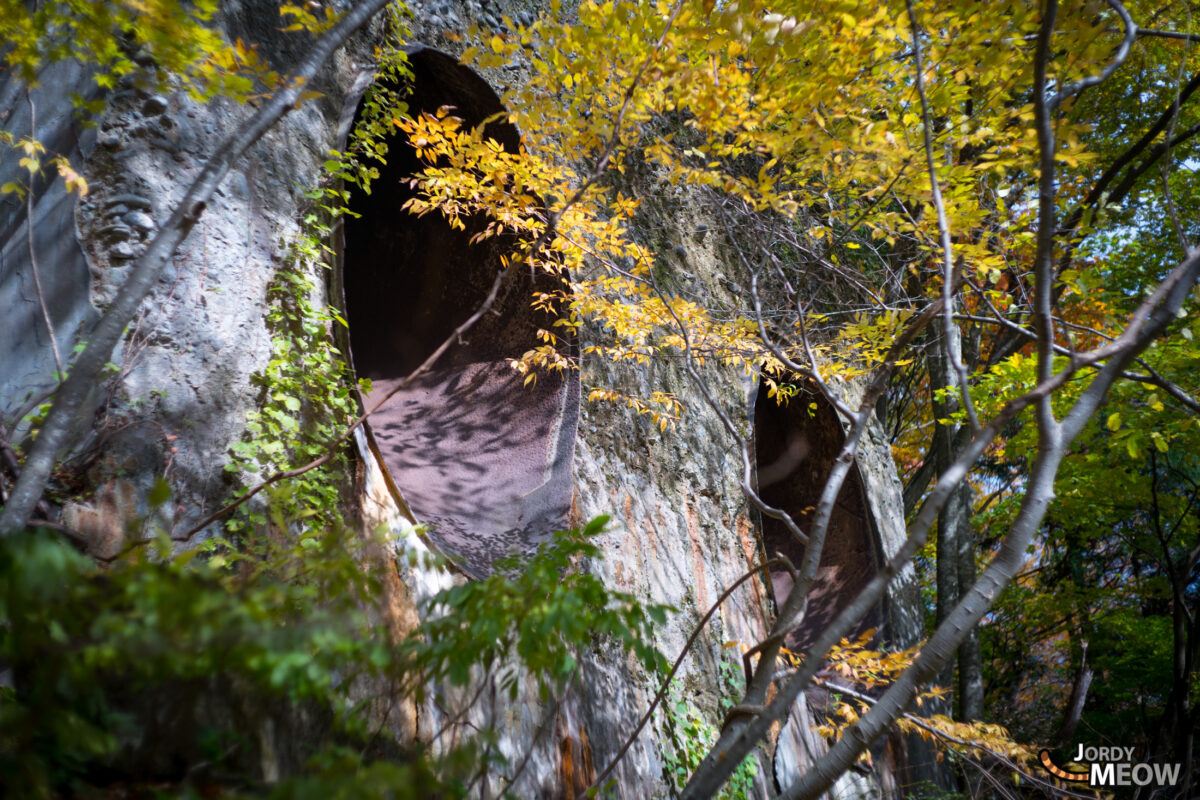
(160, 493)
(595, 526)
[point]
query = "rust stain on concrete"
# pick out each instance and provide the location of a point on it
(745, 531)
(627, 513)
(698, 567)
(576, 769)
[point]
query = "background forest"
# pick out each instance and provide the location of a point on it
(974, 225)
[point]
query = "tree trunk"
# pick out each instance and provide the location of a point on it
(1074, 710)
(970, 653)
(956, 541)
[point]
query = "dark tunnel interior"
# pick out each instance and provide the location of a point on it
(481, 458)
(795, 447)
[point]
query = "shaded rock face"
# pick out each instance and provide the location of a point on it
(184, 385)
(481, 457)
(490, 464)
(27, 363)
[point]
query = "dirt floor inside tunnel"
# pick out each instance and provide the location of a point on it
(795, 447)
(483, 459)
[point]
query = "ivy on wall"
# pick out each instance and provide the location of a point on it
(307, 395)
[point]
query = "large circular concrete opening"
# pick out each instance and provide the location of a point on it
(481, 458)
(795, 447)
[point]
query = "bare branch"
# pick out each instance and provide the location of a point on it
(740, 736)
(1168, 195)
(1118, 59)
(1047, 192)
(1144, 326)
(34, 269)
(1178, 35)
(1152, 376)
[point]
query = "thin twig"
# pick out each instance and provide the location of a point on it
(778, 560)
(1153, 376)
(30, 216)
(1179, 35)
(1117, 60)
(454, 719)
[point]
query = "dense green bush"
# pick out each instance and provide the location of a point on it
(221, 669)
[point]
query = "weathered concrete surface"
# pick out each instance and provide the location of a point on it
(184, 387)
(679, 537)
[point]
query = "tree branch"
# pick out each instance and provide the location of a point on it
(34, 269)
(740, 736)
(778, 560)
(1144, 326)
(1178, 35)
(1092, 80)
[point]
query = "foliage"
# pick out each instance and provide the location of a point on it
(663, 408)
(514, 618)
(857, 672)
(771, 136)
(710, 95)
(898, 146)
(307, 400)
(688, 737)
(31, 162)
(207, 646)
(213, 644)
(1118, 546)
(117, 39)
